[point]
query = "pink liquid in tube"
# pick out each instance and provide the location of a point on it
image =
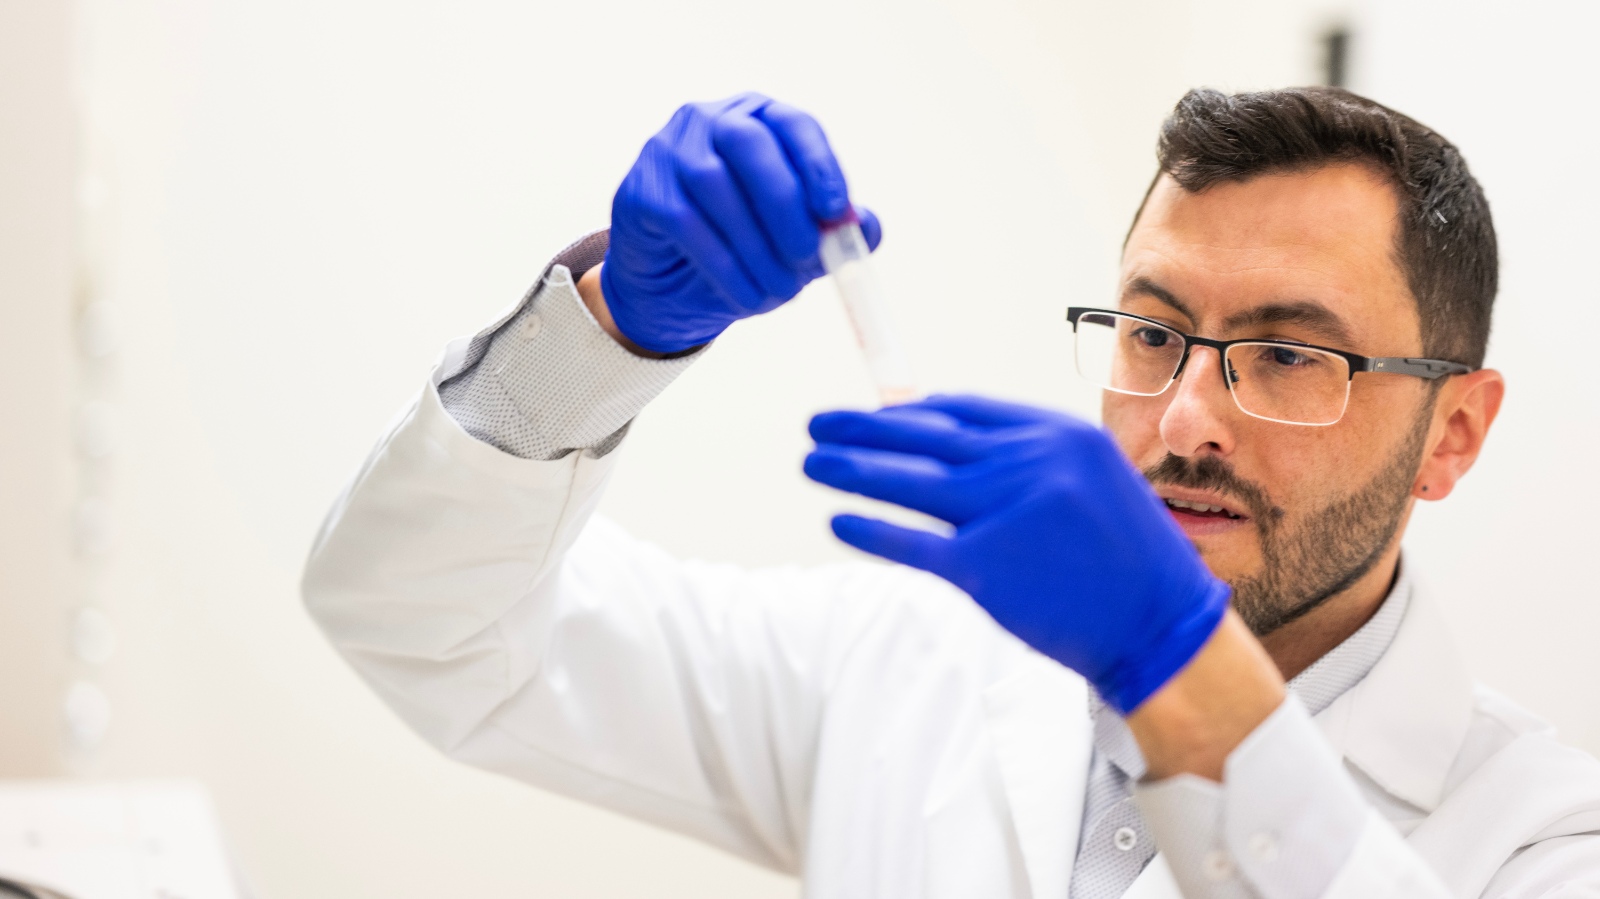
(845, 256)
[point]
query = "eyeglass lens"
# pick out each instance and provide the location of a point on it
(1294, 385)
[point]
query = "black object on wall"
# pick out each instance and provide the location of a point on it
(1336, 56)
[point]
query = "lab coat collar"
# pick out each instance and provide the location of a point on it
(1039, 727)
(1404, 723)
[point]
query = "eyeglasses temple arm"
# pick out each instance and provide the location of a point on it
(1432, 369)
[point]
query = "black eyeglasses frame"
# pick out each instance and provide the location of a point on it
(1427, 369)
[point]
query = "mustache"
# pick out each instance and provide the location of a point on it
(1211, 473)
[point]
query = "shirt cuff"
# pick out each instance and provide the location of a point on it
(1281, 824)
(546, 380)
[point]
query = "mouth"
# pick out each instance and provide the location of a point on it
(1202, 514)
(1200, 510)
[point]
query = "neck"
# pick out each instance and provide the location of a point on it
(1297, 644)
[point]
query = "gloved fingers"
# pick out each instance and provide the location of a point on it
(807, 146)
(699, 116)
(709, 185)
(701, 243)
(908, 546)
(981, 410)
(902, 429)
(916, 482)
(772, 187)
(652, 209)
(871, 228)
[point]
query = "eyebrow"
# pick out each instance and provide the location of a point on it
(1312, 316)
(1308, 314)
(1149, 288)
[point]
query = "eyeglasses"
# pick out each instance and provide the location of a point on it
(1276, 380)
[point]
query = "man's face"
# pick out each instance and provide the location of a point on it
(1308, 257)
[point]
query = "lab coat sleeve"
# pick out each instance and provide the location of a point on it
(471, 589)
(1286, 823)
(1565, 867)
(545, 380)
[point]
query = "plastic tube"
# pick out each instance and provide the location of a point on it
(845, 256)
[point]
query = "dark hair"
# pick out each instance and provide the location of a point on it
(1446, 243)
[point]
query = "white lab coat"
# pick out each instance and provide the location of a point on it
(865, 727)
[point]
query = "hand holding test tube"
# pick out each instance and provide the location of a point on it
(683, 262)
(845, 255)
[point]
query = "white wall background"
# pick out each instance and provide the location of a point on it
(37, 223)
(1513, 551)
(311, 197)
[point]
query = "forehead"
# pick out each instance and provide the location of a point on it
(1320, 241)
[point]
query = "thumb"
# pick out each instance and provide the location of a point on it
(871, 228)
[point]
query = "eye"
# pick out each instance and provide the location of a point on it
(1282, 355)
(1152, 337)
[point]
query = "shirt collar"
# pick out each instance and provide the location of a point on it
(1344, 666)
(1404, 723)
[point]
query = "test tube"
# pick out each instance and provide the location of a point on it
(845, 256)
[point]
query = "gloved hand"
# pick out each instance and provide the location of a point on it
(719, 220)
(1056, 534)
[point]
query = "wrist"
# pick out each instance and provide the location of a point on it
(1193, 721)
(1167, 646)
(591, 291)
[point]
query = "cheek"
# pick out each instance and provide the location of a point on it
(1135, 422)
(1304, 469)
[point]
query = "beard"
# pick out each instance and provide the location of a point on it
(1307, 559)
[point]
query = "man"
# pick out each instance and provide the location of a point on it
(1294, 358)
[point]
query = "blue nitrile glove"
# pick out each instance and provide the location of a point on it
(1056, 534)
(719, 220)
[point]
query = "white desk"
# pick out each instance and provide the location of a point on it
(89, 840)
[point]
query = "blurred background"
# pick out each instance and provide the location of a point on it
(235, 234)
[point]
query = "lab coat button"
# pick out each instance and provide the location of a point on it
(1124, 838)
(1264, 846)
(1217, 866)
(530, 327)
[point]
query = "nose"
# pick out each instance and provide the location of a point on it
(1198, 420)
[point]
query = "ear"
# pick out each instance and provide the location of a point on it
(1462, 415)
